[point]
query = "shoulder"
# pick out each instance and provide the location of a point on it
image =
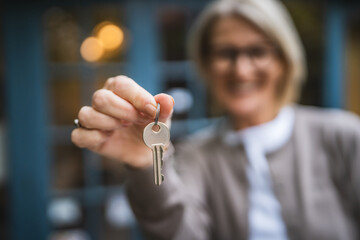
(334, 123)
(327, 117)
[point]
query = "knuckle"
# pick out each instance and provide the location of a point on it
(122, 82)
(118, 85)
(122, 78)
(75, 138)
(84, 114)
(100, 98)
(109, 82)
(139, 100)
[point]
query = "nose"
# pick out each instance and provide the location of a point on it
(243, 67)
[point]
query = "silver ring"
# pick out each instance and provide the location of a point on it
(157, 114)
(77, 123)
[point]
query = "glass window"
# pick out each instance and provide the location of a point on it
(173, 29)
(84, 46)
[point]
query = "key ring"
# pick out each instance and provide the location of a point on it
(157, 114)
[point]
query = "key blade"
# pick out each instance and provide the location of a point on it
(157, 140)
(157, 151)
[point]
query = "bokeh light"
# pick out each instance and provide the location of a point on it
(111, 36)
(183, 98)
(92, 49)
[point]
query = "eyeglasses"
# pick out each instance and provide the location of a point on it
(259, 55)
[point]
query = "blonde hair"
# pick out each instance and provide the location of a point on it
(271, 17)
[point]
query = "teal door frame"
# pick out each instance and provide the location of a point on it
(28, 148)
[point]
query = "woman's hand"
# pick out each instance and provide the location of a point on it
(113, 125)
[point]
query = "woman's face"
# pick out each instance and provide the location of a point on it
(244, 69)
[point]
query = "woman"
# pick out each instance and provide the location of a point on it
(271, 170)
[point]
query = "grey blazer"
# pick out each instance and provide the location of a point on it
(315, 176)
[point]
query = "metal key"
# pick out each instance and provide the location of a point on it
(157, 139)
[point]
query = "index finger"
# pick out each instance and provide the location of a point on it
(132, 92)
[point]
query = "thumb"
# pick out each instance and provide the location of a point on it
(166, 106)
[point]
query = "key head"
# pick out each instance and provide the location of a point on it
(151, 137)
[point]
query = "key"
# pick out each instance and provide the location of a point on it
(156, 136)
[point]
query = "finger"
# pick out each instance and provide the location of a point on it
(132, 92)
(86, 138)
(166, 106)
(92, 119)
(108, 103)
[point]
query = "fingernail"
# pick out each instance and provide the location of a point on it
(150, 110)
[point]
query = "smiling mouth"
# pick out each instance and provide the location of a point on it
(241, 88)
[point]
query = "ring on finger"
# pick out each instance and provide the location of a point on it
(77, 123)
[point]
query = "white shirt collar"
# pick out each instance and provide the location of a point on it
(269, 136)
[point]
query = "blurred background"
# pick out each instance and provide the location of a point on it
(55, 54)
